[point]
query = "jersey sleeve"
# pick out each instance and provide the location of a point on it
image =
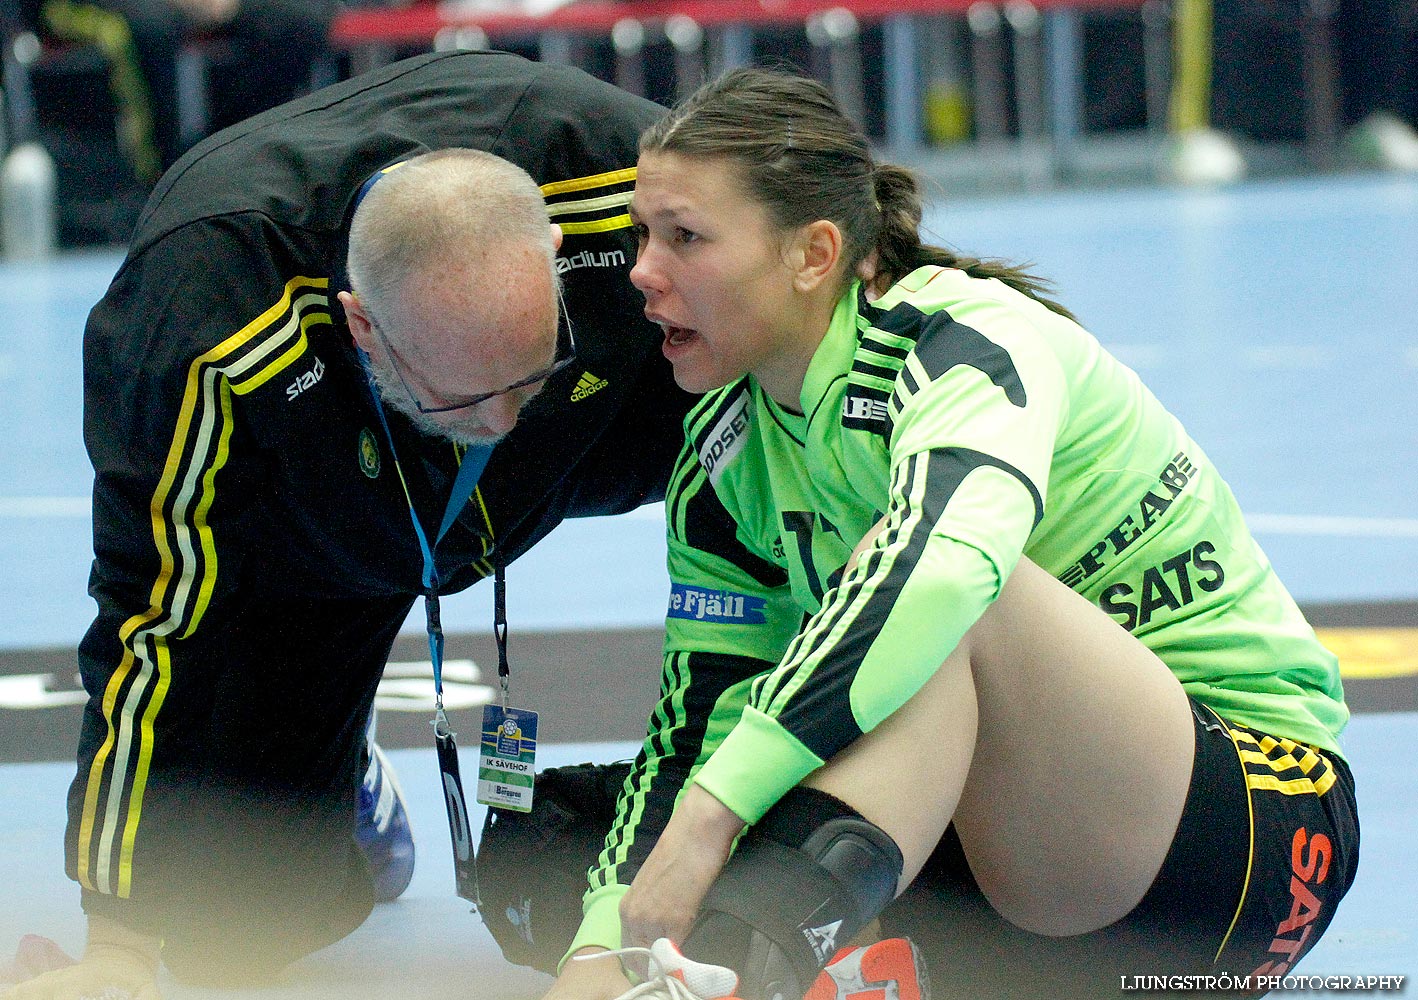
(169, 355)
(972, 420)
(730, 616)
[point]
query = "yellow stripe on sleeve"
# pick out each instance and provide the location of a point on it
(1291, 786)
(598, 226)
(584, 183)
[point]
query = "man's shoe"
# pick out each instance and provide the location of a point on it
(888, 970)
(382, 828)
(674, 977)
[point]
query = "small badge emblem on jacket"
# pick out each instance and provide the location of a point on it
(368, 453)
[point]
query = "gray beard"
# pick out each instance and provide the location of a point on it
(458, 430)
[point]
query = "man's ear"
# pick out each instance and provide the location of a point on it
(556, 236)
(817, 252)
(361, 327)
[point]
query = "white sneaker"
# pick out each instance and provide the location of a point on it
(382, 828)
(674, 977)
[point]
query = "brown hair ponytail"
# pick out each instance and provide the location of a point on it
(803, 160)
(900, 250)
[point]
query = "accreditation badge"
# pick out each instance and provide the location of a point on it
(507, 760)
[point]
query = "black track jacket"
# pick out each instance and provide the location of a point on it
(254, 556)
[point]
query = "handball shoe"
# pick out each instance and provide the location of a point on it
(888, 970)
(382, 828)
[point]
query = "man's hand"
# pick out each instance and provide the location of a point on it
(664, 898)
(597, 979)
(118, 964)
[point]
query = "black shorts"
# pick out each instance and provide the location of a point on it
(1267, 845)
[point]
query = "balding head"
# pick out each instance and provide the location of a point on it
(453, 206)
(452, 262)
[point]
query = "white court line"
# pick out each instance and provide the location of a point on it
(1350, 527)
(45, 506)
(1288, 357)
(1270, 524)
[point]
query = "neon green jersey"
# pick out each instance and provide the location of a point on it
(980, 426)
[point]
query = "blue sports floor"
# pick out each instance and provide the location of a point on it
(1275, 319)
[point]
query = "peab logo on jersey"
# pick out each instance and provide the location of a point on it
(723, 607)
(864, 412)
(608, 258)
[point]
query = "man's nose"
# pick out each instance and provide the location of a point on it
(499, 414)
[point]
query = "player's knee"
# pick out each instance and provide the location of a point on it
(802, 883)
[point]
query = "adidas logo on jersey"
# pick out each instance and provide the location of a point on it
(589, 385)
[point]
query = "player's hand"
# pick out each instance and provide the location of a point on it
(596, 979)
(665, 896)
(118, 964)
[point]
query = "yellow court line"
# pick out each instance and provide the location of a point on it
(1373, 653)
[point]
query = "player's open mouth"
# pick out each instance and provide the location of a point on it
(675, 336)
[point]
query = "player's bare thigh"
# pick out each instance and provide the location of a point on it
(1060, 746)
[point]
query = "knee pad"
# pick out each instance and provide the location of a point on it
(801, 884)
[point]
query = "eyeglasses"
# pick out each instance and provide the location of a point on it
(565, 355)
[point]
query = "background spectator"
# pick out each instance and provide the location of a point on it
(269, 49)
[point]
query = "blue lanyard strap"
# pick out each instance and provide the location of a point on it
(470, 470)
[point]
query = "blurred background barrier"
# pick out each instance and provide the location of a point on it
(980, 95)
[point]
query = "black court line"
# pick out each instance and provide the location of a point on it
(587, 686)
(1372, 694)
(596, 686)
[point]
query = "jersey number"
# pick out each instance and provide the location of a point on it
(801, 523)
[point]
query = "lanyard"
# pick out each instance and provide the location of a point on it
(469, 471)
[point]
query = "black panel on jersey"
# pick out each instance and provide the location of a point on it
(709, 528)
(942, 344)
(698, 679)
